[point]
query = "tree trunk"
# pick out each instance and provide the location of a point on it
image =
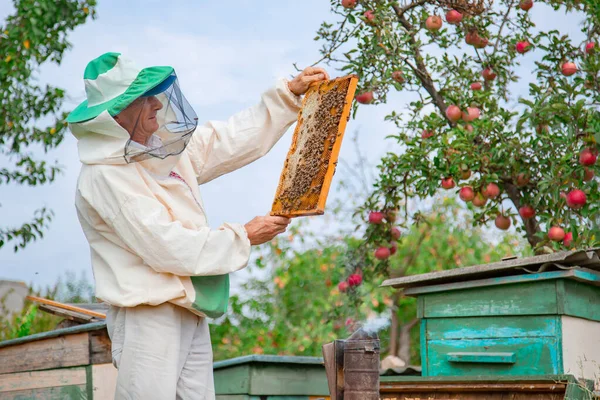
(404, 350)
(394, 334)
(531, 225)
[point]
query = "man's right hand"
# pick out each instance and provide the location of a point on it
(262, 229)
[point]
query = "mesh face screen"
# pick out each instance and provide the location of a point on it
(311, 160)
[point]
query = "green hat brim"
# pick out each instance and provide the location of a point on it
(147, 79)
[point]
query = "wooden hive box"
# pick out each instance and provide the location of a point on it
(312, 158)
(271, 377)
(522, 317)
(64, 364)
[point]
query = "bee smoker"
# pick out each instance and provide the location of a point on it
(352, 367)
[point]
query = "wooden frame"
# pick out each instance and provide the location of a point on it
(317, 89)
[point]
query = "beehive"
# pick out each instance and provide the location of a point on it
(312, 158)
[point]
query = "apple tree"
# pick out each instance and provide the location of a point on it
(300, 296)
(501, 113)
(30, 116)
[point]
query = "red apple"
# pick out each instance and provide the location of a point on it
(590, 47)
(354, 280)
(396, 233)
(453, 113)
(588, 174)
(343, 286)
(481, 43)
(588, 157)
(393, 248)
(488, 74)
(569, 68)
(466, 193)
(448, 183)
(376, 217)
(472, 37)
(568, 239)
(398, 76)
(349, 3)
(365, 98)
(382, 253)
(433, 23)
(522, 180)
(472, 114)
(523, 47)
(469, 127)
(491, 191)
(563, 195)
(556, 233)
(464, 175)
(476, 86)
(369, 16)
(502, 222)
(453, 17)
(526, 5)
(576, 199)
(479, 200)
(527, 212)
(426, 134)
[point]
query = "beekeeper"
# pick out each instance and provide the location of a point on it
(156, 261)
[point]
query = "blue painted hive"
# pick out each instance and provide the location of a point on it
(519, 317)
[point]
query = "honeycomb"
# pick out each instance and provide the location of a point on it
(312, 158)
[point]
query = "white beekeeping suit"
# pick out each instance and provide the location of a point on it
(155, 259)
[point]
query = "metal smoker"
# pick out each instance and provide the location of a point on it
(352, 367)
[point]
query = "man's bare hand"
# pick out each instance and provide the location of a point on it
(299, 85)
(262, 229)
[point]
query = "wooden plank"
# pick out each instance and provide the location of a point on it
(66, 306)
(92, 326)
(67, 314)
(73, 392)
(104, 378)
(482, 357)
(581, 300)
(62, 351)
(548, 387)
(492, 327)
(534, 356)
(100, 347)
(423, 348)
(588, 259)
(472, 396)
(41, 379)
(581, 347)
(534, 298)
(288, 380)
(232, 380)
(579, 274)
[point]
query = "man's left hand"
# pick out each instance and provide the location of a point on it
(299, 85)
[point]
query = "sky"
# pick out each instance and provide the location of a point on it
(225, 55)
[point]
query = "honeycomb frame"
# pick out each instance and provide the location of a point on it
(312, 158)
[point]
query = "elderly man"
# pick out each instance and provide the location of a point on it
(155, 259)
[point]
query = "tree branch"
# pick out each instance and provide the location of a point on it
(531, 225)
(420, 69)
(504, 19)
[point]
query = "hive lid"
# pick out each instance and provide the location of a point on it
(565, 260)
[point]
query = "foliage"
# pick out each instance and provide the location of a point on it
(36, 33)
(537, 134)
(31, 320)
(293, 305)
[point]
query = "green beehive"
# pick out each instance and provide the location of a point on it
(520, 317)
